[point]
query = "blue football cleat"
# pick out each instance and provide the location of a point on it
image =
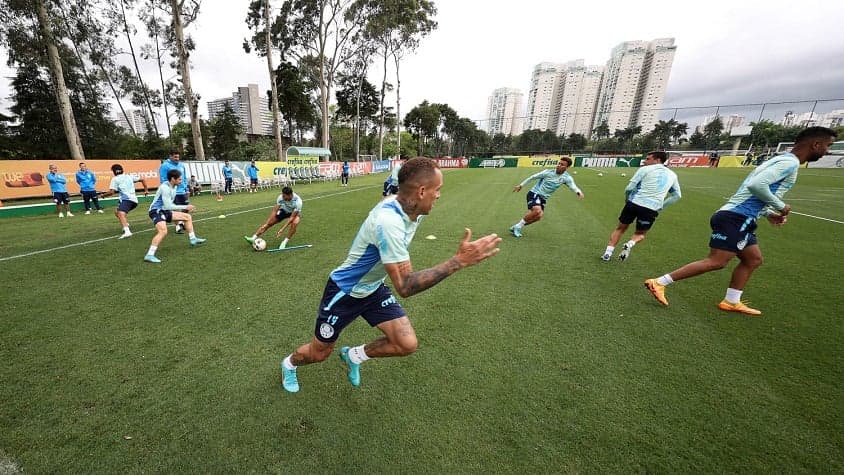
(151, 258)
(197, 240)
(354, 368)
(289, 381)
(517, 231)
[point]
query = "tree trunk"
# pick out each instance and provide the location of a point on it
(398, 108)
(62, 98)
(160, 72)
(137, 69)
(184, 70)
(103, 70)
(383, 93)
(274, 85)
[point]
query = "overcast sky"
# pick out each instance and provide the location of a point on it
(728, 51)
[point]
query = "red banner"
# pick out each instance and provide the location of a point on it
(28, 178)
(686, 160)
(458, 162)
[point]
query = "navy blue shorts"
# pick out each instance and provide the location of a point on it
(159, 215)
(126, 206)
(282, 215)
(61, 197)
(181, 199)
(535, 200)
(390, 189)
(337, 310)
(644, 217)
(731, 231)
(253, 181)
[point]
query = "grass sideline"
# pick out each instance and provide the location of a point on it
(543, 359)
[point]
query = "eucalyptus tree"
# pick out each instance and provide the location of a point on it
(258, 20)
(36, 22)
(183, 13)
(225, 131)
(325, 31)
(395, 27)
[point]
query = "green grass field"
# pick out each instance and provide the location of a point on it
(543, 359)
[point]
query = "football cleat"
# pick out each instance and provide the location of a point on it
(657, 290)
(739, 307)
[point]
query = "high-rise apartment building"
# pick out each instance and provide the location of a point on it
(635, 80)
(541, 95)
(562, 97)
(504, 112)
(574, 103)
(137, 119)
(252, 110)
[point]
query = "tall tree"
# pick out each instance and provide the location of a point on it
(602, 131)
(325, 30)
(117, 12)
(712, 132)
(224, 131)
(183, 16)
(60, 89)
(258, 20)
(395, 27)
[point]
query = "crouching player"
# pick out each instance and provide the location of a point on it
(163, 210)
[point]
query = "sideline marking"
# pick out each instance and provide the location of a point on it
(817, 217)
(93, 241)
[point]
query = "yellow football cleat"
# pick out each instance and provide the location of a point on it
(657, 290)
(738, 307)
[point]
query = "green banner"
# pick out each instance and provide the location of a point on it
(497, 162)
(607, 161)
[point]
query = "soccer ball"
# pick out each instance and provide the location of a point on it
(259, 244)
(600, 174)
(623, 174)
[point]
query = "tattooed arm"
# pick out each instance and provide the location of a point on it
(407, 283)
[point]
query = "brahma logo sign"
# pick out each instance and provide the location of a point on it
(455, 162)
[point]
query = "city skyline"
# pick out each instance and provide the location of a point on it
(742, 56)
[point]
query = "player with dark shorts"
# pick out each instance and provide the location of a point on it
(288, 206)
(651, 188)
(731, 231)
(337, 310)
(533, 199)
(159, 215)
(644, 217)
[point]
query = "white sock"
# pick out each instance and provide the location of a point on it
(254, 237)
(192, 235)
(357, 354)
(284, 243)
(631, 243)
(665, 280)
(287, 363)
(521, 223)
(609, 250)
(152, 250)
(733, 295)
(126, 230)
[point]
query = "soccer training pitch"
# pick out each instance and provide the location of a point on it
(543, 359)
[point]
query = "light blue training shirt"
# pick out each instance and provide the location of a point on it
(549, 181)
(165, 197)
(125, 186)
(649, 186)
(289, 206)
(58, 183)
(168, 165)
(761, 192)
(383, 238)
(87, 180)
